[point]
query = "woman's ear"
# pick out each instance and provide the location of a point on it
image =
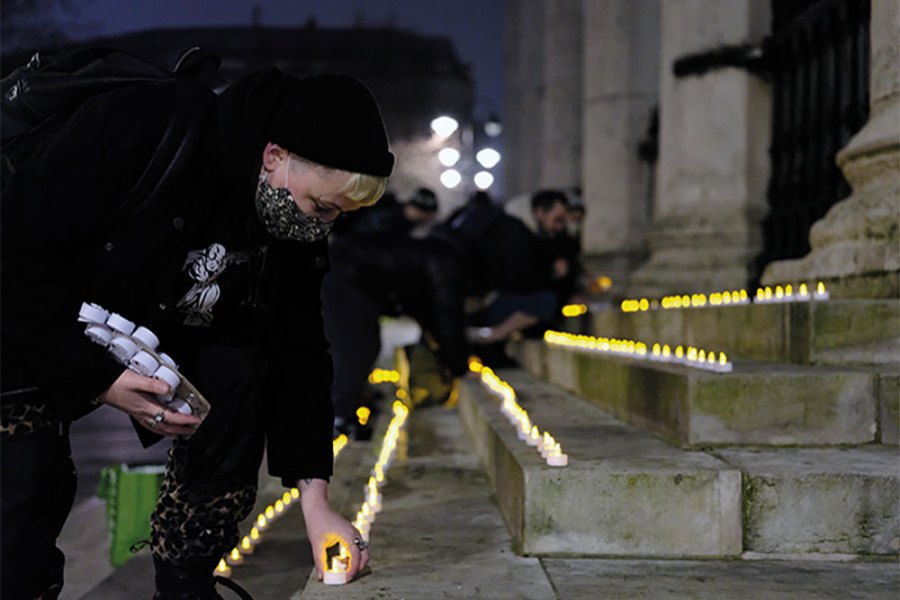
(273, 155)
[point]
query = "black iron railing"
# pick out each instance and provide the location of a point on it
(818, 61)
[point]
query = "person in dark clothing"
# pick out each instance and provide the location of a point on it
(509, 282)
(221, 253)
(551, 212)
(376, 274)
(390, 216)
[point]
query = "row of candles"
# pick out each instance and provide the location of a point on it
(689, 356)
(764, 295)
(526, 431)
(264, 519)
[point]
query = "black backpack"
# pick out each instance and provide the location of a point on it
(41, 94)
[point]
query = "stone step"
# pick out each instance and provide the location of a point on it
(627, 493)
(822, 332)
(756, 404)
(624, 493)
(820, 501)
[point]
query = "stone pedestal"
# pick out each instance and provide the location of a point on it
(856, 246)
(621, 88)
(713, 169)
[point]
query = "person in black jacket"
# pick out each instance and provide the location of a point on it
(216, 244)
(389, 273)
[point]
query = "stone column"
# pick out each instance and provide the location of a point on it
(856, 246)
(621, 87)
(714, 166)
(523, 130)
(561, 149)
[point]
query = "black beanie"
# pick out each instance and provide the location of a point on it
(332, 120)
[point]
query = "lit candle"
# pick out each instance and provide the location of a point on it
(679, 353)
(547, 444)
(337, 574)
(261, 522)
(556, 458)
(701, 356)
(279, 507)
(534, 437)
(804, 292)
(287, 499)
(295, 493)
(235, 558)
(255, 537)
(246, 546)
(270, 512)
(223, 570)
(821, 292)
(779, 293)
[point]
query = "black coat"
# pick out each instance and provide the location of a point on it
(421, 278)
(74, 230)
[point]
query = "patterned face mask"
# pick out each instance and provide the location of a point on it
(283, 218)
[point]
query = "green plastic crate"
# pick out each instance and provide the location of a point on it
(131, 492)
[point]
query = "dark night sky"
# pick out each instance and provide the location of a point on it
(475, 26)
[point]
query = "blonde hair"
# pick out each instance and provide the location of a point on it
(364, 189)
(361, 188)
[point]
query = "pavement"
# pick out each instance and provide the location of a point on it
(439, 535)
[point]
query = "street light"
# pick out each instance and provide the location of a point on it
(451, 178)
(448, 156)
(483, 180)
(488, 157)
(444, 126)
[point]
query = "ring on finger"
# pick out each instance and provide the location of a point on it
(158, 418)
(361, 543)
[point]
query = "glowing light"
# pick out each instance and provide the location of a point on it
(679, 352)
(287, 499)
(223, 569)
(279, 507)
(644, 304)
(254, 535)
(235, 558)
(574, 310)
(483, 180)
(821, 292)
(295, 493)
(384, 376)
(261, 522)
(448, 156)
(362, 413)
(779, 292)
(246, 546)
(444, 126)
(451, 178)
(488, 158)
(270, 513)
(804, 291)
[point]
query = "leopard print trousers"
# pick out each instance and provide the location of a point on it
(21, 419)
(191, 528)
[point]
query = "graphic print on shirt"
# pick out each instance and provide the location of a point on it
(204, 268)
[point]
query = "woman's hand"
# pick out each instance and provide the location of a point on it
(325, 527)
(133, 394)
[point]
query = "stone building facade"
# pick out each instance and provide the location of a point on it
(683, 210)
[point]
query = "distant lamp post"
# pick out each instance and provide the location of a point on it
(493, 127)
(451, 178)
(444, 126)
(448, 156)
(483, 180)
(488, 157)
